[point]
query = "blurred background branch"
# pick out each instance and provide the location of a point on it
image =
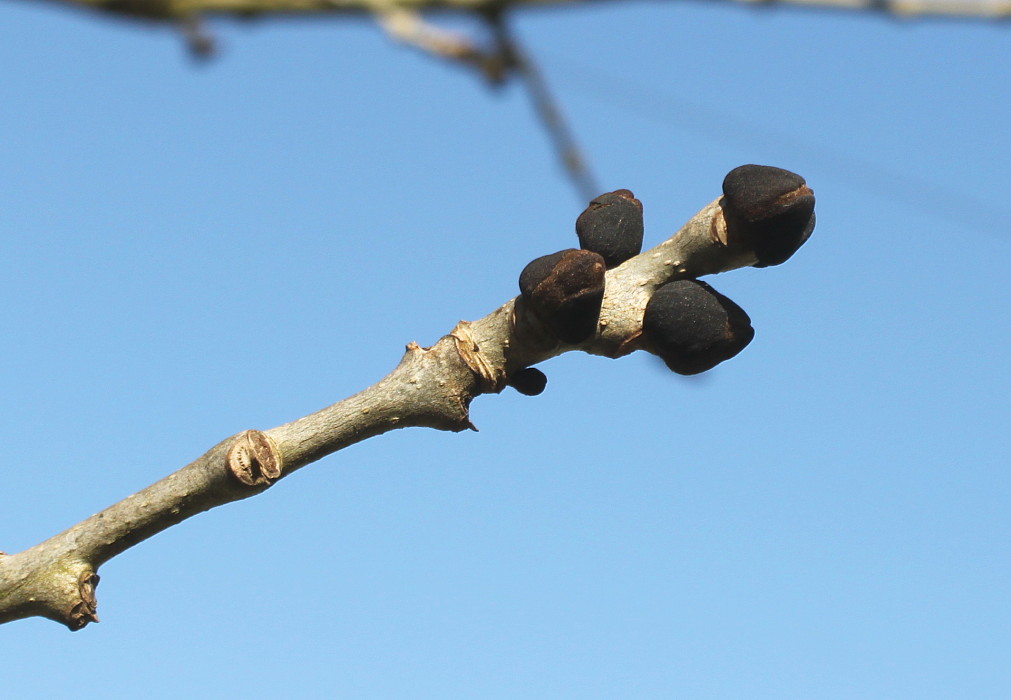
(176, 9)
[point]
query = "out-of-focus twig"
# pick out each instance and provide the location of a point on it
(501, 59)
(410, 28)
(548, 113)
(176, 9)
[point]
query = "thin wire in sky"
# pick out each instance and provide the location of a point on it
(868, 176)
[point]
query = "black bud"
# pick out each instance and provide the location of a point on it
(612, 226)
(529, 381)
(565, 290)
(770, 208)
(693, 328)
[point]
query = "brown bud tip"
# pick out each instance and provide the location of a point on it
(612, 226)
(693, 328)
(770, 208)
(565, 290)
(529, 381)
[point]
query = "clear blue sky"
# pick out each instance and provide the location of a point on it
(193, 250)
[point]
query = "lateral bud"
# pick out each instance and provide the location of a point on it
(565, 290)
(612, 226)
(693, 328)
(529, 381)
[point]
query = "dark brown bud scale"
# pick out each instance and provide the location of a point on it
(612, 226)
(693, 328)
(529, 381)
(565, 290)
(770, 208)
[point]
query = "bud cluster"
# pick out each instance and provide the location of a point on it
(687, 323)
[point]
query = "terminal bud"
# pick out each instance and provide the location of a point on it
(770, 209)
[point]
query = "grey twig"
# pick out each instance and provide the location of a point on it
(431, 387)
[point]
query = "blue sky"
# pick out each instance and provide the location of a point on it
(193, 250)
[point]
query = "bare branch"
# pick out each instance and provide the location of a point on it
(431, 387)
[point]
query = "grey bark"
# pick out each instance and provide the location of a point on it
(430, 387)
